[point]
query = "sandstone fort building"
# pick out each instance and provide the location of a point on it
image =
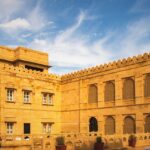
(111, 100)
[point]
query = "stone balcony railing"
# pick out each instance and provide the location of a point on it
(71, 139)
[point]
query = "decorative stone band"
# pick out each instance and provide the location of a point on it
(29, 73)
(105, 67)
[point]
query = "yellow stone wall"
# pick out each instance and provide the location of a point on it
(24, 56)
(71, 111)
(76, 111)
(20, 79)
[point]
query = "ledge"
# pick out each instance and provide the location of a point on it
(27, 103)
(48, 104)
(10, 101)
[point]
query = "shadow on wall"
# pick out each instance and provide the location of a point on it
(84, 146)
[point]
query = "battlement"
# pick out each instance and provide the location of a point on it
(21, 56)
(109, 66)
(24, 59)
(28, 73)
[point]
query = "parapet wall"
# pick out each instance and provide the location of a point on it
(29, 73)
(106, 67)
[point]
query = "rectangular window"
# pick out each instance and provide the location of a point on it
(27, 95)
(10, 95)
(9, 126)
(46, 127)
(47, 98)
(26, 128)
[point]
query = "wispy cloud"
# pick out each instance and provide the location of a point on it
(69, 50)
(73, 47)
(10, 7)
(140, 6)
(15, 25)
(29, 22)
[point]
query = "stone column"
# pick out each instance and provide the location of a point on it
(118, 91)
(139, 86)
(101, 89)
(119, 124)
(139, 123)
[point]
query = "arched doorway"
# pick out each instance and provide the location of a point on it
(93, 125)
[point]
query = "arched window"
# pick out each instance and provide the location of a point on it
(109, 91)
(147, 124)
(109, 125)
(93, 94)
(128, 89)
(147, 86)
(93, 125)
(129, 125)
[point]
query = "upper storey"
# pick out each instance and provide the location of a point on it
(24, 57)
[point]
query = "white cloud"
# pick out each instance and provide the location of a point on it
(135, 39)
(14, 25)
(10, 7)
(37, 19)
(69, 50)
(33, 21)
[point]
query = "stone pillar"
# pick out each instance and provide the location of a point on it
(119, 124)
(102, 125)
(118, 91)
(139, 86)
(139, 123)
(101, 89)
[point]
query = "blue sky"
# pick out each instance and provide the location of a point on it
(77, 33)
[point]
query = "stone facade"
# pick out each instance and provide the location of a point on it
(109, 100)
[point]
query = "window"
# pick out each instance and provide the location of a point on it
(27, 95)
(129, 125)
(33, 68)
(46, 127)
(10, 95)
(147, 124)
(47, 98)
(9, 126)
(109, 125)
(147, 86)
(93, 94)
(93, 125)
(128, 89)
(109, 91)
(26, 128)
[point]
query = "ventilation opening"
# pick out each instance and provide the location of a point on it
(33, 68)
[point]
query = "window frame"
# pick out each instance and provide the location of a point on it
(27, 96)
(47, 98)
(10, 95)
(9, 128)
(46, 127)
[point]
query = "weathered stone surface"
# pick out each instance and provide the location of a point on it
(73, 106)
